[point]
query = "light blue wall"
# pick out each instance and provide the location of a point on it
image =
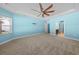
(71, 24)
(53, 21)
(22, 25)
(4, 12)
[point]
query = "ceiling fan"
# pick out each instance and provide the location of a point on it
(44, 12)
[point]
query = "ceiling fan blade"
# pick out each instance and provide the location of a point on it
(36, 11)
(41, 8)
(49, 7)
(42, 15)
(46, 14)
(50, 11)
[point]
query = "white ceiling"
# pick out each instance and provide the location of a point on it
(26, 8)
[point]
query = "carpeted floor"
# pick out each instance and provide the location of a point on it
(42, 44)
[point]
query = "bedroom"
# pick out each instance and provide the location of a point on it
(29, 29)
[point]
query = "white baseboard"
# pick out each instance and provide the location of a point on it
(71, 38)
(18, 38)
(66, 37)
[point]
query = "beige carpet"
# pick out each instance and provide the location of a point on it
(42, 44)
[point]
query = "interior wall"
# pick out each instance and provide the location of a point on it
(21, 25)
(54, 23)
(4, 12)
(27, 25)
(71, 24)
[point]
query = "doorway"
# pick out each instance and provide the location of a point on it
(61, 29)
(48, 28)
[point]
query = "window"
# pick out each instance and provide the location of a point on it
(5, 25)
